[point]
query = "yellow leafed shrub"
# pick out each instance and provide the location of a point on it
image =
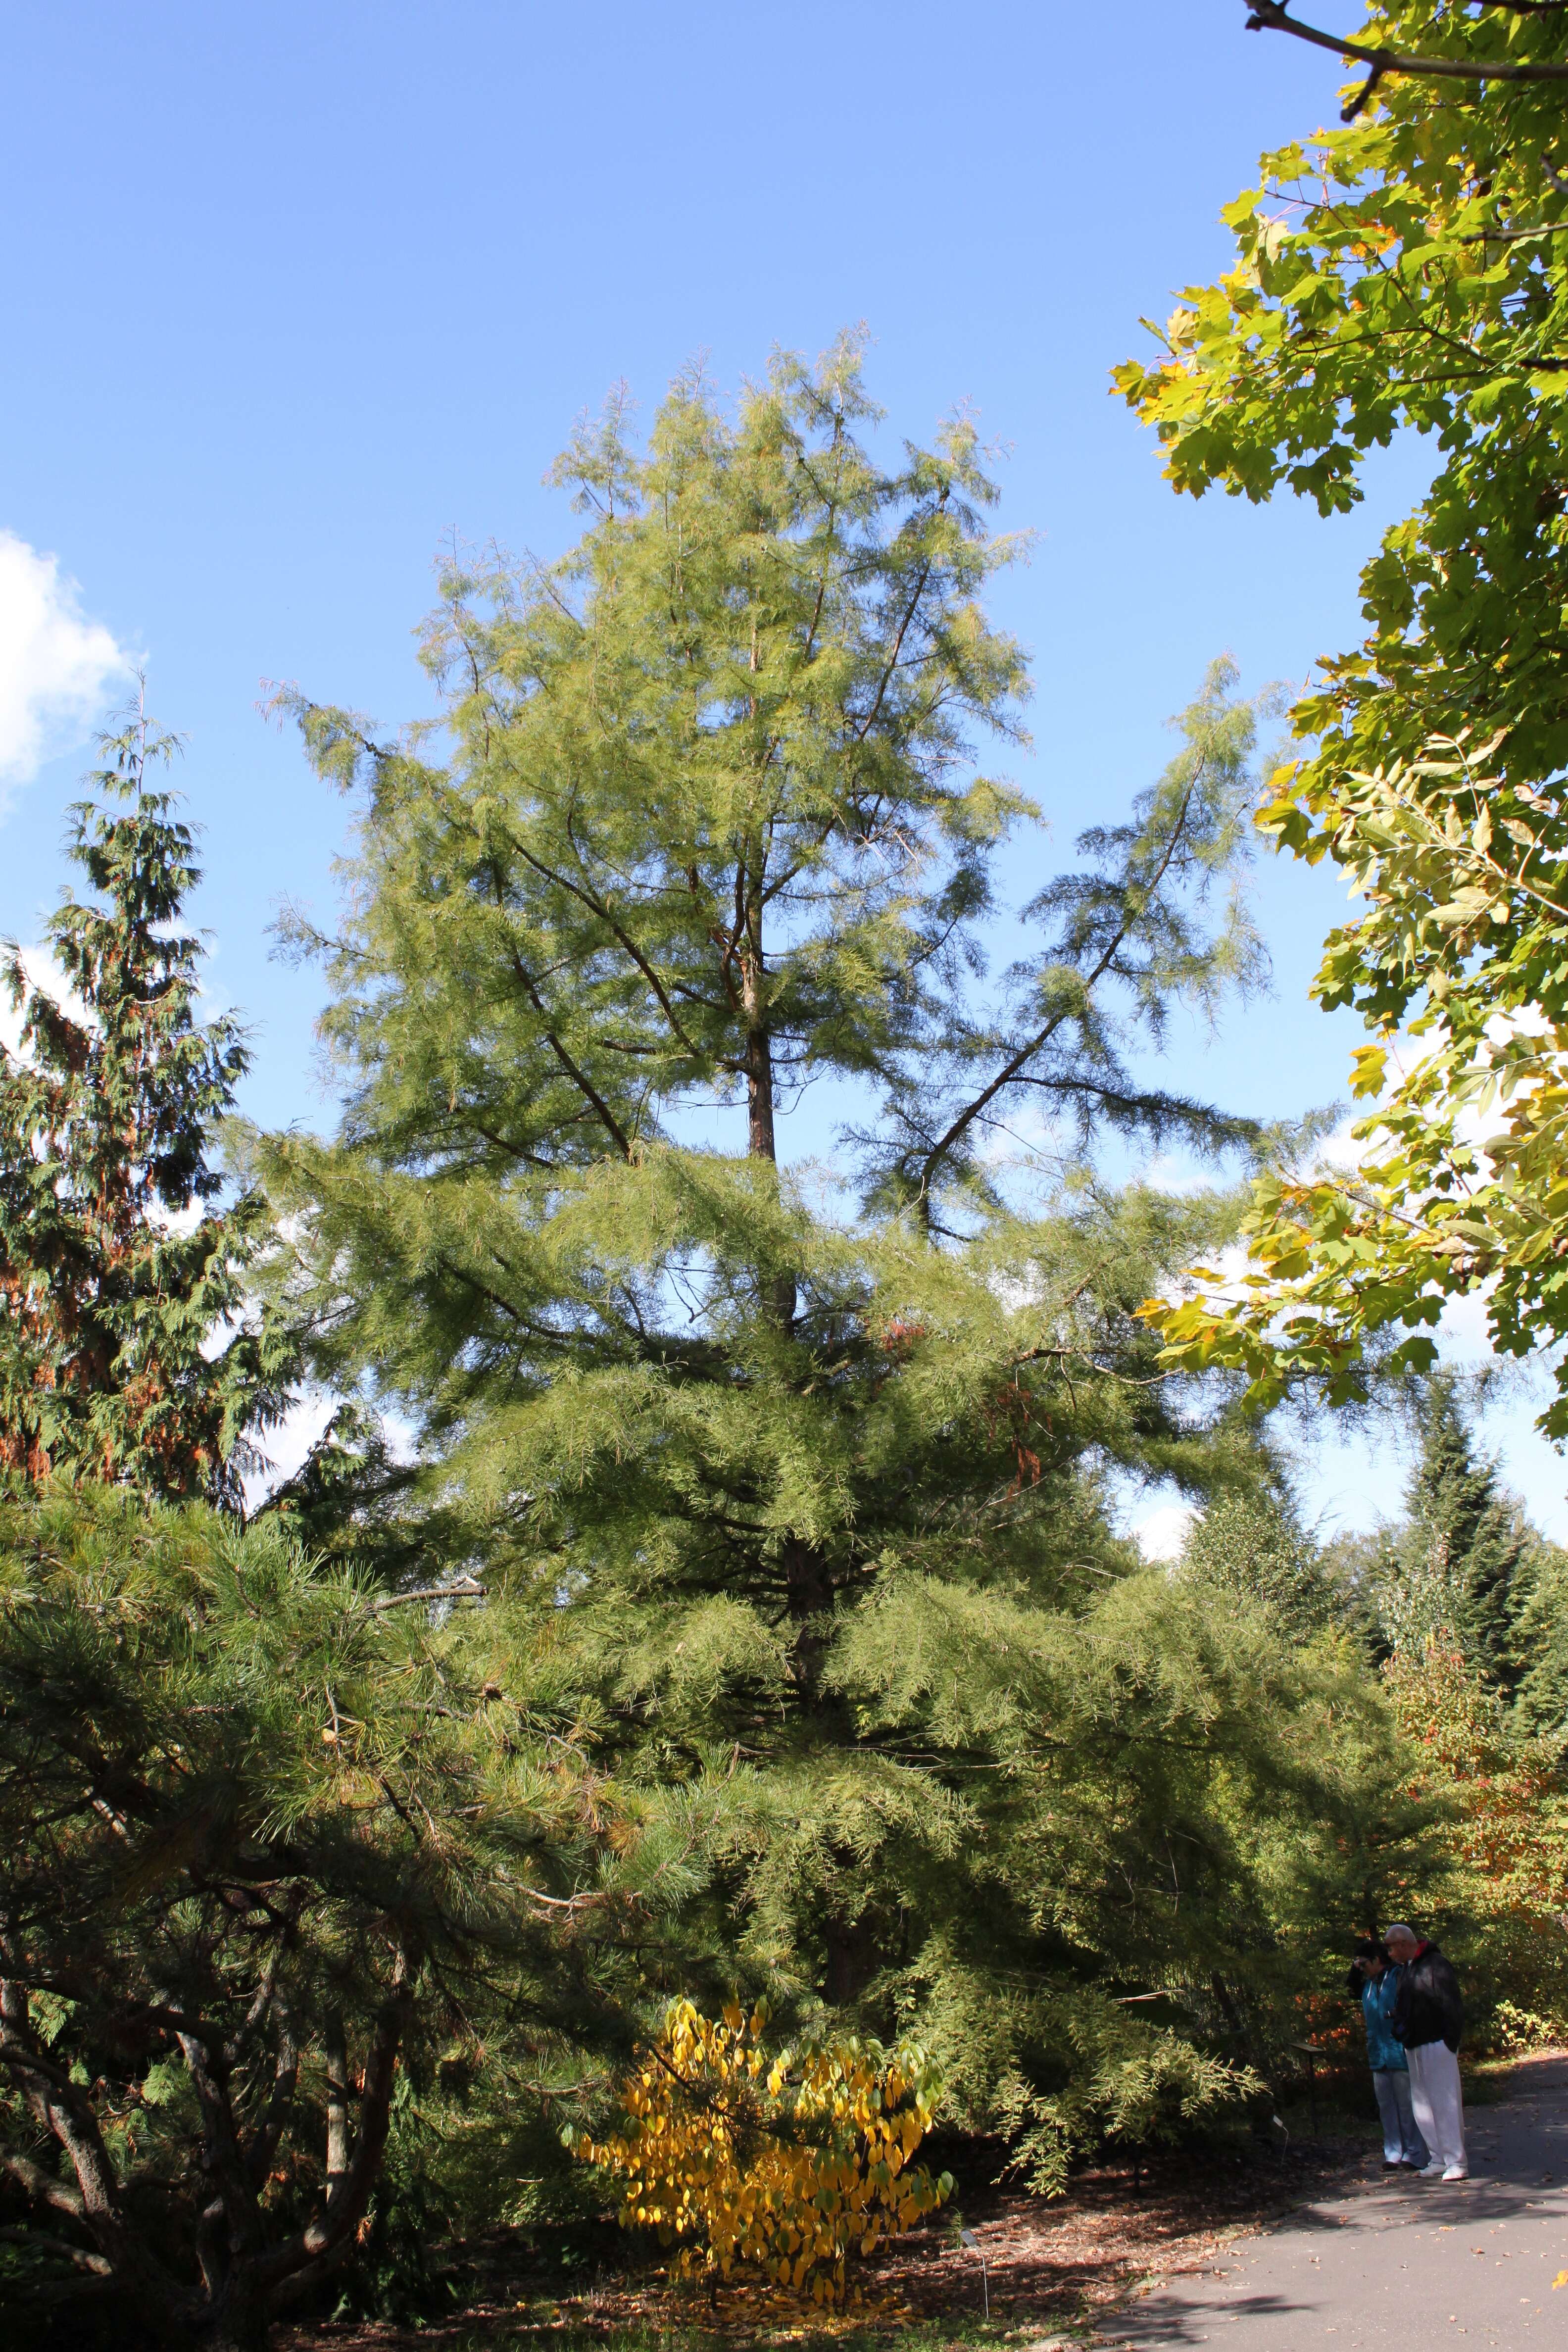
(793, 2162)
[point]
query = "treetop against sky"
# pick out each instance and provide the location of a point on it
(339, 368)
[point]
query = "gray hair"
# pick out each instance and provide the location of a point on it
(1398, 1928)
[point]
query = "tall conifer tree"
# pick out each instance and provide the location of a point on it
(117, 1267)
(817, 1495)
(1253, 1543)
(1460, 1560)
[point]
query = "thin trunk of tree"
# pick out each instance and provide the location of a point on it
(762, 1138)
(337, 2057)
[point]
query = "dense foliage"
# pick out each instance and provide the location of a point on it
(1252, 1543)
(125, 1353)
(1504, 1882)
(744, 1618)
(1463, 1564)
(826, 1493)
(265, 1842)
(1464, 1607)
(1457, 1186)
(1407, 270)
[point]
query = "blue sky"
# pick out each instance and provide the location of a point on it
(294, 293)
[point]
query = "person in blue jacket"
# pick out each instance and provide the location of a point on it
(1374, 1981)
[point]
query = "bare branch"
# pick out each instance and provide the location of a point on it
(19, 2234)
(221, 2157)
(41, 2185)
(466, 1588)
(62, 2109)
(264, 2141)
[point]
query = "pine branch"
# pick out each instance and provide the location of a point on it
(42, 2186)
(1033, 1047)
(466, 1588)
(62, 2109)
(19, 2233)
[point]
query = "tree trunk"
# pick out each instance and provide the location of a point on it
(850, 1943)
(808, 1596)
(854, 1954)
(761, 1140)
(337, 2057)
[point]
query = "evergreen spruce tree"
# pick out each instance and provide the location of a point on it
(1540, 1640)
(818, 1493)
(118, 1268)
(1459, 1560)
(1251, 1543)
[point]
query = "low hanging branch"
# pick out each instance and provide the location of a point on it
(1273, 16)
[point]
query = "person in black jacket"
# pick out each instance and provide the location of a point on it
(1373, 1984)
(1428, 2018)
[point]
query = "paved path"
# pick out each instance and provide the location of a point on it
(1414, 2263)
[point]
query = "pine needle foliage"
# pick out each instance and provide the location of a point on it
(1461, 1559)
(265, 1844)
(1539, 1640)
(1253, 1544)
(805, 1483)
(118, 1269)
(711, 826)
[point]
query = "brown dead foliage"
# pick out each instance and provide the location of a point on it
(1052, 2264)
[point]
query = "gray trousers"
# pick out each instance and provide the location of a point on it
(1402, 2140)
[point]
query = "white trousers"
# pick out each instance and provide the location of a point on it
(1439, 2108)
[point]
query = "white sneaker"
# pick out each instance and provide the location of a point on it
(1458, 2172)
(1433, 2171)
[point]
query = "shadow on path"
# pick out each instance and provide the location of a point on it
(1401, 2263)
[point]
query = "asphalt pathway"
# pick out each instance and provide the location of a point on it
(1406, 2262)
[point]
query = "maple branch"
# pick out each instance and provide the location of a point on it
(1271, 16)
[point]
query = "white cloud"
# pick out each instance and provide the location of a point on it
(56, 666)
(1161, 1533)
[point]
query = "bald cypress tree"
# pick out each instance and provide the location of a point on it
(813, 1490)
(119, 1267)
